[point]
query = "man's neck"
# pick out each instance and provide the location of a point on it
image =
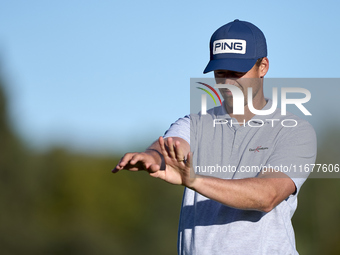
(248, 115)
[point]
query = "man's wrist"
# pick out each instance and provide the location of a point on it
(194, 181)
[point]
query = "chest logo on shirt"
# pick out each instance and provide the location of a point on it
(258, 149)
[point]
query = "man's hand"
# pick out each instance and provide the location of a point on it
(178, 168)
(137, 161)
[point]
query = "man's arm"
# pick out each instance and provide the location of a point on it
(261, 193)
(151, 159)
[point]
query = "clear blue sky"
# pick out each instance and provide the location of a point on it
(113, 75)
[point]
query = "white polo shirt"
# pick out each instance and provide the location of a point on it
(222, 148)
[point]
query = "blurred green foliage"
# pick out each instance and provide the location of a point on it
(61, 202)
(316, 221)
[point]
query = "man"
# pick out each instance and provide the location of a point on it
(234, 211)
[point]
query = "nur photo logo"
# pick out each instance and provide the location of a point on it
(281, 97)
(238, 99)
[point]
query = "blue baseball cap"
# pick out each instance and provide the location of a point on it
(236, 46)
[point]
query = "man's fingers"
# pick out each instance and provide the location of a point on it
(179, 155)
(126, 158)
(188, 160)
(166, 153)
(114, 170)
(132, 161)
(127, 167)
(162, 145)
(174, 149)
(122, 163)
(136, 158)
(172, 153)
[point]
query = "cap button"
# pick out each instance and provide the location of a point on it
(236, 20)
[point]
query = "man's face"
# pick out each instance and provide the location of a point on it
(243, 81)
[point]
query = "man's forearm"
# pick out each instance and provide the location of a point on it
(261, 194)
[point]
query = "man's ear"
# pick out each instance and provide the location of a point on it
(264, 66)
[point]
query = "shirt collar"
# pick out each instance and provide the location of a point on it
(222, 113)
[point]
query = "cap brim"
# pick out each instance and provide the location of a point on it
(236, 65)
